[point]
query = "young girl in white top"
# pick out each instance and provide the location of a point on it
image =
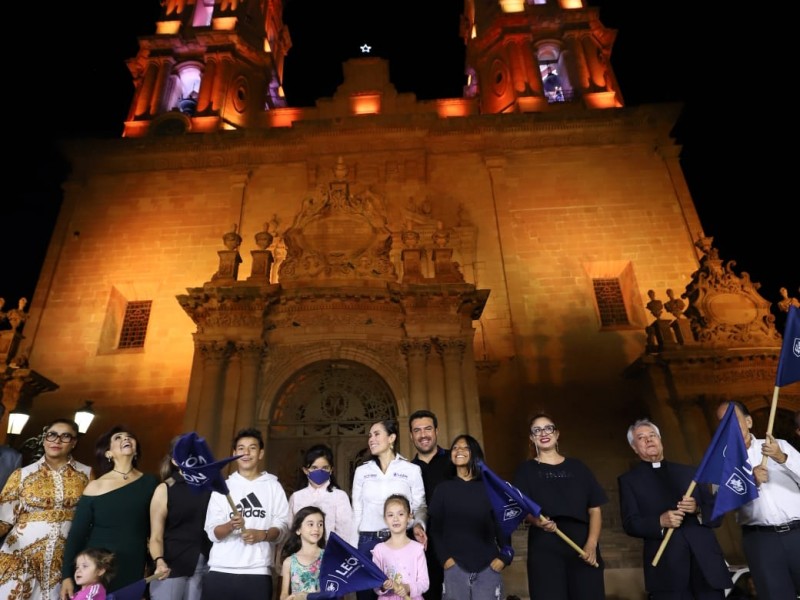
(317, 486)
(401, 558)
(303, 554)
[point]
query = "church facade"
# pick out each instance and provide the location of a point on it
(232, 261)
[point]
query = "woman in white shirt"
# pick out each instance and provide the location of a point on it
(374, 481)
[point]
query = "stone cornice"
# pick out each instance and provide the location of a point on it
(649, 124)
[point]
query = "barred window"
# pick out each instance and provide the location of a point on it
(610, 302)
(134, 325)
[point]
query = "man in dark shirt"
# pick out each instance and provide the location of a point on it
(436, 467)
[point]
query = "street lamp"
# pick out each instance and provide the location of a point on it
(16, 421)
(84, 417)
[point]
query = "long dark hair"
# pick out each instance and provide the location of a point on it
(294, 543)
(475, 454)
(312, 454)
(103, 443)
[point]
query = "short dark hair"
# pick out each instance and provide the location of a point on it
(423, 414)
(541, 415)
(248, 432)
(738, 405)
(65, 421)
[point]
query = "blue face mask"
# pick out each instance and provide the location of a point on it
(319, 476)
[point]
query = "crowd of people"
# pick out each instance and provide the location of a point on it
(73, 532)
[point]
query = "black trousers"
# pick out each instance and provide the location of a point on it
(218, 585)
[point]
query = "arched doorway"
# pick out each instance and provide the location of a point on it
(331, 402)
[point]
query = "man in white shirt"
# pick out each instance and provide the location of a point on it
(771, 522)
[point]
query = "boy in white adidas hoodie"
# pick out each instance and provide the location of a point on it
(241, 556)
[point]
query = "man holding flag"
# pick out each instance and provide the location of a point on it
(653, 500)
(771, 522)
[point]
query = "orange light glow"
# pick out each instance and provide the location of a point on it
(512, 6)
(456, 107)
(601, 100)
(283, 117)
(224, 24)
(571, 4)
(365, 104)
(168, 27)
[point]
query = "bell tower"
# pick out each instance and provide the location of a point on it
(211, 65)
(533, 55)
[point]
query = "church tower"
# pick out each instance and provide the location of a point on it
(531, 55)
(211, 65)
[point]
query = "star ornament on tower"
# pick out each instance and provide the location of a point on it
(365, 48)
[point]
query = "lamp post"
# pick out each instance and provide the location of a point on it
(84, 417)
(17, 419)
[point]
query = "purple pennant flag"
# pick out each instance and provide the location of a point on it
(345, 569)
(510, 506)
(197, 464)
(134, 591)
(789, 361)
(726, 464)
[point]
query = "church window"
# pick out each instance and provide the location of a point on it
(203, 11)
(551, 69)
(185, 88)
(610, 302)
(134, 324)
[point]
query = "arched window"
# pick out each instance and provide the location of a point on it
(185, 88)
(555, 81)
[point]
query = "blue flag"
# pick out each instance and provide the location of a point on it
(345, 569)
(726, 464)
(789, 361)
(197, 464)
(134, 591)
(510, 506)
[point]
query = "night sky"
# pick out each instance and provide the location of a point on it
(733, 127)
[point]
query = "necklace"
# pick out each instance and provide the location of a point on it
(124, 475)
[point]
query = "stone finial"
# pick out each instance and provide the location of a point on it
(340, 170)
(232, 240)
(18, 316)
(264, 238)
(441, 236)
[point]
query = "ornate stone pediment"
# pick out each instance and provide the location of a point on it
(338, 235)
(725, 309)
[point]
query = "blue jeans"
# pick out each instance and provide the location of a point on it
(463, 585)
(367, 540)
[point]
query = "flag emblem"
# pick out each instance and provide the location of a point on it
(511, 512)
(737, 484)
(796, 347)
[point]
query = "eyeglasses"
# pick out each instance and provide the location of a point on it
(548, 429)
(315, 468)
(52, 436)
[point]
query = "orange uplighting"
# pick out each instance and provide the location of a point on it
(283, 117)
(224, 24)
(571, 4)
(456, 107)
(167, 27)
(365, 104)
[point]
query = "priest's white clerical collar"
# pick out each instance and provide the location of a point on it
(656, 465)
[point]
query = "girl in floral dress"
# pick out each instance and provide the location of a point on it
(303, 554)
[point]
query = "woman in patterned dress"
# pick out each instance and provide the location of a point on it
(36, 509)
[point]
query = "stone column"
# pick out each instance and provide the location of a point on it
(250, 355)
(452, 353)
(215, 363)
(472, 402)
(416, 352)
(143, 100)
(156, 98)
(436, 391)
(206, 86)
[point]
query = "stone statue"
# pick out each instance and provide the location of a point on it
(784, 304)
(674, 305)
(656, 307)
